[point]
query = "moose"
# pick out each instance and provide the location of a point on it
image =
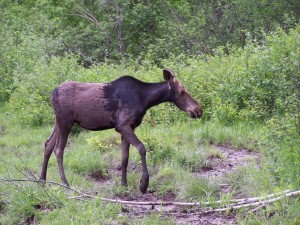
(121, 105)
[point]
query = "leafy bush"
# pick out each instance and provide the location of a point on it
(31, 97)
(248, 85)
(281, 142)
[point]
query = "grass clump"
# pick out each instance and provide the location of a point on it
(81, 212)
(237, 136)
(164, 181)
(197, 189)
(191, 159)
(84, 161)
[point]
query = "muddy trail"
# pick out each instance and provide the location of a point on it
(230, 161)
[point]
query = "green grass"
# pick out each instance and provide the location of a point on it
(176, 156)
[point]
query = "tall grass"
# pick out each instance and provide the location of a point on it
(250, 100)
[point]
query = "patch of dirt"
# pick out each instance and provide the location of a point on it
(208, 219)
(232, 160)
(31, 220)
(229, 161)
(98, 176)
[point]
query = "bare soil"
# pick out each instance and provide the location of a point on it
(231, 161)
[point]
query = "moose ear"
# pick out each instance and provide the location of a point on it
(168, 74)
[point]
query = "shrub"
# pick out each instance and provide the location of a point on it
(248, 85)
(281, 142)
(31, 98)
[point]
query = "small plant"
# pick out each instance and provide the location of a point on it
(104, 145)
(192, 159)
(87, 162)
(199, 189)
(164, 182)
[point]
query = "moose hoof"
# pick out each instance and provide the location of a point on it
(42, 182)
(144, 184)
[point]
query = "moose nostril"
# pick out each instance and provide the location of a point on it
(199, 111)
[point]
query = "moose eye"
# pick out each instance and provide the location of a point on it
(182, 92)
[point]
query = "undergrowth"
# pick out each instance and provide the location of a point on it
(176, 156)
(251, 102)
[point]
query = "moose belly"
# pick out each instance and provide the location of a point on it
(93, 116)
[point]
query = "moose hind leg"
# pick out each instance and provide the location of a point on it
(59, 152)
(125, 156)
(49, 147)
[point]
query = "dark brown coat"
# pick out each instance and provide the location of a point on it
(120, 104)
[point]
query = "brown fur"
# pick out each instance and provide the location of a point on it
(120, 104)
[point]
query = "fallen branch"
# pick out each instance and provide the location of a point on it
(202, 211)
(234, 204)
(237, 202)
(48, 182)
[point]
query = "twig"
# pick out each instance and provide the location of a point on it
(254, 210)
(2, 193)
(44, 181)
(20, 171)
(226, 209)
(34, 178)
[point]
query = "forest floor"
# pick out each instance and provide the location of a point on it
(231, 161)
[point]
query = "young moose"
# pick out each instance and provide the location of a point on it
(120, 104)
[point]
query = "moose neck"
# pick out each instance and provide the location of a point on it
(156, 93)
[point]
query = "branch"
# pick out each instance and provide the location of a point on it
(257, 202)
(236, 201)
(202, 211)
(48, 182)
(84, 12)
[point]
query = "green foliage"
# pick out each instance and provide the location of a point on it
(158, 150)
(155, 219)
(249, 85)
(27, 204)
(165, 181)
(198, 189)
(104, 145)
(89, 163)
(117, 31)
(240, 59)
(81, 212)
(192, 159)
(281, 142)
(31, 98)
(286, 212)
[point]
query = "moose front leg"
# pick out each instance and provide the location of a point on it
(125, 156)
(145, 178)
(129, 135)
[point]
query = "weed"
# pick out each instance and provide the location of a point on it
(84, 161)
(192, 159)
(164, 182)
(92, 212)
(199, 189)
